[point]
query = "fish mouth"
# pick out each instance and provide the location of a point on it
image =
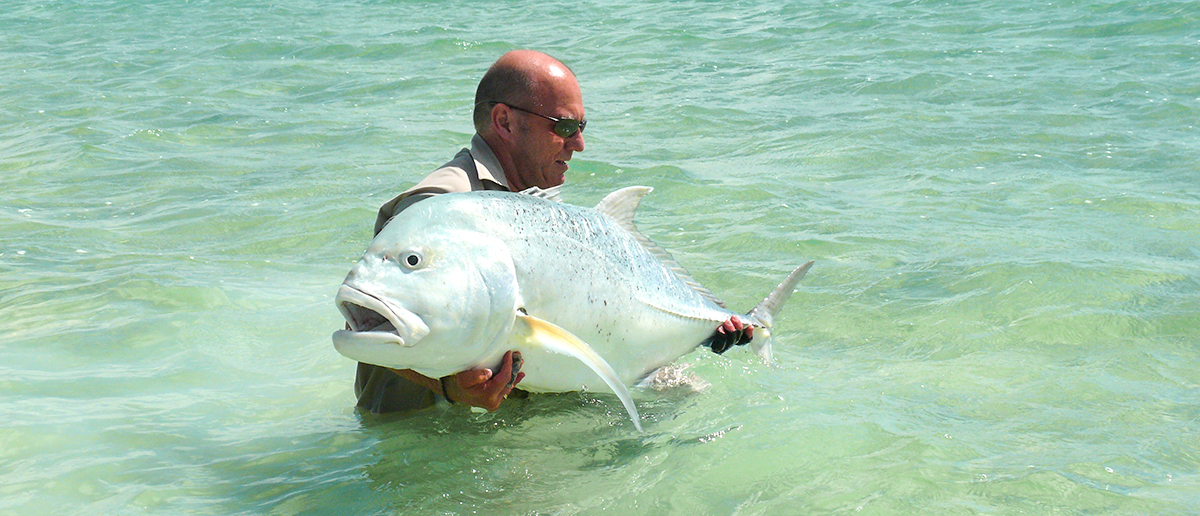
(373, 319)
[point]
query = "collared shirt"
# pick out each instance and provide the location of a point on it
(471, 169)
(378, 388)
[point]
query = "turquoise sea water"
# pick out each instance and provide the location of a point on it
(1003, 200)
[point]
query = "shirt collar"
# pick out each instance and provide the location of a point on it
(486, 163)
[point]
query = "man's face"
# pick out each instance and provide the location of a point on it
(539, 154)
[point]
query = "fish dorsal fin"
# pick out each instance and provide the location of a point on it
(620, 206)
(554, 193)
(545, 335)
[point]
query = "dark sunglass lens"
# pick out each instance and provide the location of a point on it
(567, 127)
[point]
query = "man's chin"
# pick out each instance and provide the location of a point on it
(559, 174)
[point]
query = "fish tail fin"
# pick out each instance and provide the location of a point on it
(763, 315)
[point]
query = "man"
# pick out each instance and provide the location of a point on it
(529, 121)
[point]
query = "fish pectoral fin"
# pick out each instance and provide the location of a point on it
(541, 334)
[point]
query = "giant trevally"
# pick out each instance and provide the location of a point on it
(456, 280)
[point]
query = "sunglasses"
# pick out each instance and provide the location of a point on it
(564, 127)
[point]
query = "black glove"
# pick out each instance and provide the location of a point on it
(720, 342)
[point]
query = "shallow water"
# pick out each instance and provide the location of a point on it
(1001, 199)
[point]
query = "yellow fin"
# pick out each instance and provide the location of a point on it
(541, 334)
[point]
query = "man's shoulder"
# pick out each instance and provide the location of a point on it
(451, 177)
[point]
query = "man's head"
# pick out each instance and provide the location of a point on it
(514, 100)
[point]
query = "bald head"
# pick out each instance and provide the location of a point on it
(520, 101)
(526, 78)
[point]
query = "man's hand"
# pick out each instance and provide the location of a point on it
(730, 333)
(482, 388)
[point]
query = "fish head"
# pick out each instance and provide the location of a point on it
(431, 298)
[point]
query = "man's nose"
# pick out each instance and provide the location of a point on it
(575, 142)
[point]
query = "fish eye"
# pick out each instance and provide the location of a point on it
(412, 259)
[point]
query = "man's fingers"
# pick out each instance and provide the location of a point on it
(472, 377)
(742, 332)
(731, 325)
(502, 375)
(745, 336)
(720, 341)
(487, 389)
(732, 332)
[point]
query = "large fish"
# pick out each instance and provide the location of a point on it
(454, 281)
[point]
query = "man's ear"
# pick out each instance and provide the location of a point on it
(503, 123)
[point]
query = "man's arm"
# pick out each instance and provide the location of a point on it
(474, 387)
